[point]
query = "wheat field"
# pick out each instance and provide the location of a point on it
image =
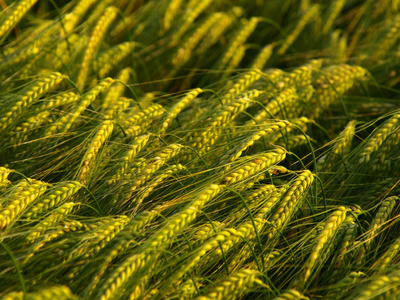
(197, 149)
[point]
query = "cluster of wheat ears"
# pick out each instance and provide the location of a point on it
(198, 149)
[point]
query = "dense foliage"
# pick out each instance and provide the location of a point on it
(170, 149)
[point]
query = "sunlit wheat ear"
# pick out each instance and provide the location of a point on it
(134, 148)
(18, 201)
(102, 134)
(306, 18)
(98, 239)
(115, 92)
(256, 164)
(247, 28)
(177, 108)
(343, 253)
(291, 294)
(56, 195)
(64, 228)
(389, 39)
(341, 286)
(323, 240)
(4, 172)
(120, 275)
(380, 135)
(73, 18)
(384, 287)
(97, 35)
(260, 196)
(142, 194)
(31, 126)
(52, 292)
(226, 237)
(66, 121)
(235, 286)
(301, 76)
(204, 139)
(172, 10)
(184, 53)
(335, 9)
(340, 148)
(376, 226)
(262, 57)
(225, 21)
(15, 14)
(240, 85)
(384, 262)
(134, 225)
(27, 96)
(110, 59)
(60, 99)
(237, 151)
(382, 162)
(188, 18)
(136, 124)
(150, 249)
(290, 202)
(187, 289)
(152, 165)
(49, 222)
(280, 104)
(331, 83)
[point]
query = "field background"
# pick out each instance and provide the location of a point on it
(198, 149)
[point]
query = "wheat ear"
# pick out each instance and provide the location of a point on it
(177, 108)
(150, 250)
(290, 202)
(237, 151)
(58, 194)
(19, 201)
(66, 121)
(311, 12)
(15, 14)
(233, 287)
(29, 95)
(325, 237)
(97, 35)
(102, 134)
